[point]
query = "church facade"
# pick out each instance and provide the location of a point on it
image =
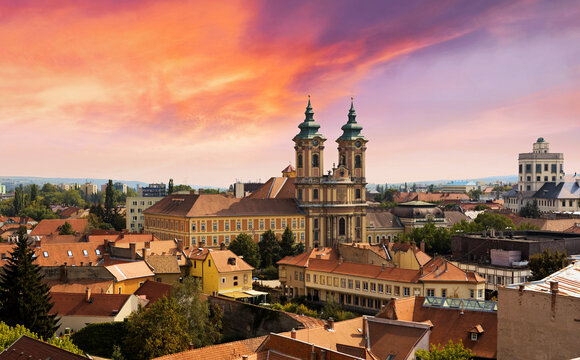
(334, 202)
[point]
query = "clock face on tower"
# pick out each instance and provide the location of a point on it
(315, 142)
(358, 144)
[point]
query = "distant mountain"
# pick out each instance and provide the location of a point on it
(489, 179)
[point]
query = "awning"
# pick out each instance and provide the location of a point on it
(255, 292)
(236, 294)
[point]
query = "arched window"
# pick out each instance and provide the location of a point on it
(315, 160)
(357, 163)
(342, 160)
(370, 239)
(299, 161)
(342, 227)
(378, 239)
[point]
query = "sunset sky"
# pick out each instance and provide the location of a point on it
(207, 92)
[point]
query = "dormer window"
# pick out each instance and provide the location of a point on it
(98, 252)
(70, 254)
(45, 254)
(85, 253)
(474, 336)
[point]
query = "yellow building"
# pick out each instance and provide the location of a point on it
(357, 280)
(222, 273)
(210, 220)
(130, 276)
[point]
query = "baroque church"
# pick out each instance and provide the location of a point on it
(334, 202)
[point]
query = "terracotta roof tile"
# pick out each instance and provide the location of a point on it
(189, 205)
(392, 337)
(276, 188)
(303, 259)
(51, 226)
(69, 253)
(130, 270)
(227, 261)
(163, 264)
(439, 269)
(227, 351)
(79, 286)
(27, 348)
(77, 304)
(153, 291)
(364, 270)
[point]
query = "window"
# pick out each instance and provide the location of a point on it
(322, 279)
(299, 161)
(546, 167)
(538, 178)
(302, 236)
(301, 276)
(250, 224)
(215, 240)
(98, 252)
(357, 284)
(373, 287)
(443, 292)
(480, 293)
(545, 178)
(203, 226)
(135, 203)
(341, 226)
(227, 225)
(388, 290)
(215, 226)
(227, 239)
(203, 240)
(45, 253)
(314, 279)
(284, 224)
(316, 223)
(350, 284)
(538, 168)
(132, 211)
(554, 168)
(293, 224)
(357, 194)
(335, 282)
(315, 194)
(193, 240)
(209, 263)
(262, 224)
(397, 291)
(70, 254)
(301, 223)
(307, 277)
(295, 275)
(223, 280)
(520, 169)
(528, 168)
(342, 160)
(119, 290)
(430, 292)
(406, 291)
(473, 336)
(193, 226)
(235, 283)
(329, 280)
(239, 225)
(471, 294)
(315, 162)
(272, 224)
(357, 162)
(365, 286)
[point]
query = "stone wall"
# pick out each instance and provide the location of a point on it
(243, 320)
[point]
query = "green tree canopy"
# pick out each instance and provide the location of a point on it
(494, 221)
(243, 245)
(437, 239)
(203, 323)
(24, 298)
(530, 210)
(546, 263)
(66, 229)
(9, 334)
(109, 202)
(451, 351)
(157, 331)
(474, 194)
(170, 187)
(182, 187)
(287, 246)
(269, 249)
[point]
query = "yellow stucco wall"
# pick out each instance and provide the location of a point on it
(129, 286)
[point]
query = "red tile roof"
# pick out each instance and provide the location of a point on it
(392, 337)
(364, 270)
(449, 324)
(153, 291)
(439, 269)
(223, 262)
(58, 254)
(76, 304)
(276, 188)
(51, 226)
(188, 205)
(27, 348)
(130, 270)
(303, 259)
(79, 286)
(226, 351)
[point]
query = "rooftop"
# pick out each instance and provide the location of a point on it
(51, 226)
(66, 304)
(568, 280)
(27, 348)
(130, 270)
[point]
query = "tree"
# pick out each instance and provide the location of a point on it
(100, 338)
(9, 334)
(24, 298)
(300, 248)
(474, 194)
(203, 323)
(437, 239)
(117, 354)
(170, 187)
(158, 331)
(18, 202)
(243, 245)
(493, 221)
(431, 188)
(269, 249)
(406, 188)
(109, 202)
(451, 351)
(66, 229)
(530, 210)
(33, 192)
(287, 247)
(182, 187)
(546, 263)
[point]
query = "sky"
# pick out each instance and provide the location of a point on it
(210, 92)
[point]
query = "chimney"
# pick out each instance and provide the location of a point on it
(190, 346)
(421, 270)
(144, 254)
(132, 247)
(222, 246)
(330, 323)
(180, 245)
(88, 293)
(554, 287)
(364, 325)
(384, 266)
(38, 242)
(293, 333)
(63, 274)
(422, 245)
(147, 244)
(445, 264)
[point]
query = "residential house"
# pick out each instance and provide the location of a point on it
(129, 276)
(76, 310)
(28, 348)
(152, 291)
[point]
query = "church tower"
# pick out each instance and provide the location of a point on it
(352, 147)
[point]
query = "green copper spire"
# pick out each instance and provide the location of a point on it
(351, 130)
(309, 127)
